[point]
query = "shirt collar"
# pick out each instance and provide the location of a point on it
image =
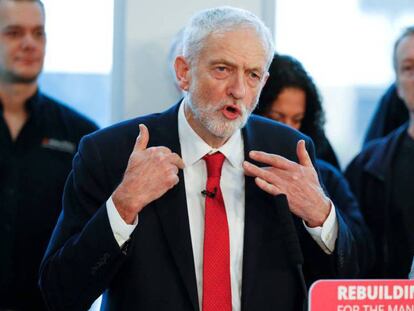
(30, 103)
(193, 148)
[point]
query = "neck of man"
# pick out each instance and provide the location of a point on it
(13, 96)
(210, 139)
(13, 99)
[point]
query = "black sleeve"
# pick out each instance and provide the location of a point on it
(317, 264)
(351, 223)
(353, 251)
(83, 255)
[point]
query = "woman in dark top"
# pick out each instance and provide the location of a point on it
(288, 78)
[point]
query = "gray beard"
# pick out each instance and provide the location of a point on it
(219, 128)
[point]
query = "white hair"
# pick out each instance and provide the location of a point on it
(219, 20)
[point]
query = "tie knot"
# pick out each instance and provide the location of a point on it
(214, 164)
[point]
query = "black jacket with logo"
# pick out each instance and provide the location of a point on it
(33, 170)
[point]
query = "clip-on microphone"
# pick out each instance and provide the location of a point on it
(210, 194)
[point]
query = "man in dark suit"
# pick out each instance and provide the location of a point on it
(136, 222)
(382, 178)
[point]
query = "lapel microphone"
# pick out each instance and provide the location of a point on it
(210, 194)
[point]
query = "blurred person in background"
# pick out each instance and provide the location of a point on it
(391, 111)
(382, 177)
(176, 49)
(298, 84)
(390, 114)
(38, 138)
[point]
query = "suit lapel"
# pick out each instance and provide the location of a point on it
(261, 226)
(253, 229)
(172, 207)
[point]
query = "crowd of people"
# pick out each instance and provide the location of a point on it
(231, 199)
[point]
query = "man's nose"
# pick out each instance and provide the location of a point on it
(28, 42)
(237, 87)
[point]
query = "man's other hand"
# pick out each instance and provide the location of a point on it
(298, 181)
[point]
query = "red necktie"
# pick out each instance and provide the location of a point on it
(216, 259)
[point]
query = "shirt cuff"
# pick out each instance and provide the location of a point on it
(122, 231)
(326, 235)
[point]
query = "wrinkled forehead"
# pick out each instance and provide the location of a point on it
(240, 43)
(247, 30)
(21, 13)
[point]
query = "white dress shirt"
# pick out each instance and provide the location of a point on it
(193, 149)
(232, 184)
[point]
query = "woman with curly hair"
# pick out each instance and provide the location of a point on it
(291, 97)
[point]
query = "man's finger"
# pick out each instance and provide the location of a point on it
(251, 169)
(160, 150)
(262, 172)
(142, 139)
(265, 186)
(303, 155)
(177, 161)
(273, 160)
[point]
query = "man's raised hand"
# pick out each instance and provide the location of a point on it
(299, 181)
(150, 173)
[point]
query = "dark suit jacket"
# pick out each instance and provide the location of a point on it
(346, 203)
(390, 113)
(156, 270)
(371, 179)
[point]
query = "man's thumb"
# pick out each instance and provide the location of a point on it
(303, 154)
(142, 139)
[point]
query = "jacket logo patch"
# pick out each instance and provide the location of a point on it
(59, 145)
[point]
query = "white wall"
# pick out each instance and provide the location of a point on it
(143, 32)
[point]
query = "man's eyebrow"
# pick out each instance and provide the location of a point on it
(19, 27)
(231, 64)
(12, 27)
(222, 61)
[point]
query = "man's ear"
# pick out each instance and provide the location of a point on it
(182, 72)
(266, 76)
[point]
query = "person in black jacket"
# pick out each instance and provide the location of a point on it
(38, 138)
(290, 96)
(391, 111)
(390, 114)
(382, 178)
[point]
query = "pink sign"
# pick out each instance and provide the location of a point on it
(362, 295)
